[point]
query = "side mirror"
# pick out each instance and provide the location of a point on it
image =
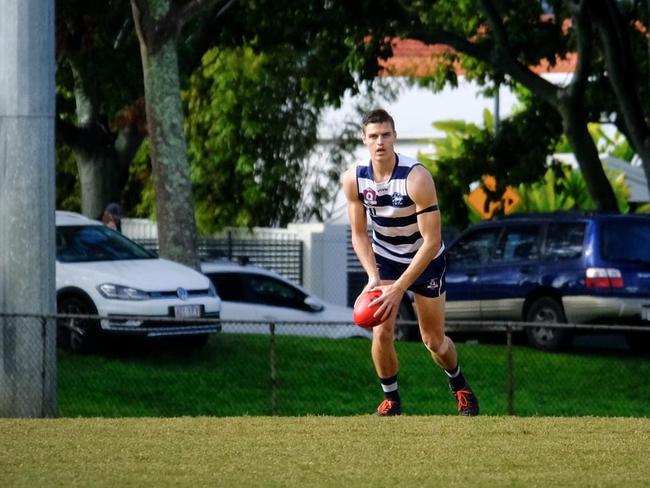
(313, 304)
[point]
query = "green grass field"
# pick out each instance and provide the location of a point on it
(231, 377)
(355, 451)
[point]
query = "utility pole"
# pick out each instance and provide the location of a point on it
(27, 272)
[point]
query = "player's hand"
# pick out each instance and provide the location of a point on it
(372, 283)
(390, 299)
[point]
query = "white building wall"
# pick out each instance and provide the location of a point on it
(139, 228)
(324, 260)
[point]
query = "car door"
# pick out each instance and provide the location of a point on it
(466, 257)
(235, 309)
(257, 297)
(273, 299)
(510, 274)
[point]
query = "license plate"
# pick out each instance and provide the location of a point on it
(645, 312)
(187, 311)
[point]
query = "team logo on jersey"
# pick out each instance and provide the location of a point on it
(397, 199)
(369, 196)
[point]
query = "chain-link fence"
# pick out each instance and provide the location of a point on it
(259, 368)
(28, 366)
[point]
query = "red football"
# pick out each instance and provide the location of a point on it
(363, 315)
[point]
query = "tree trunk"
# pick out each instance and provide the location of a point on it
(586, 153)
(174, 201)
(623, 75)
(103, 158)
(100, 182)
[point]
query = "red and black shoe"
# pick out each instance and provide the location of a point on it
(389, 408)
(467, 402)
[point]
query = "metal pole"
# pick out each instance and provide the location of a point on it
(27, 281)
(274, 375)
(510, 375)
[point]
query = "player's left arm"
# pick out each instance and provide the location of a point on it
(422, 190)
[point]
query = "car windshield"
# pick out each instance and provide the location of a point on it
(625, 241)
(75, 244)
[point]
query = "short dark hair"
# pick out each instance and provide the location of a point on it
(377, 116)
(114, 209)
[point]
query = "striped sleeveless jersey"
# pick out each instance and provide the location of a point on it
(396, 235)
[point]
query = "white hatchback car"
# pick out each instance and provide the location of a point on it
(101, 272)
(254, 297)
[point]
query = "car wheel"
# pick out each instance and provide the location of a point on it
(546, 310)
(195, 342)
(76, 335)
(639, 342)
(406, 331)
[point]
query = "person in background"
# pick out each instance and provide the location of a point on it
(406, 252)
(112, 216)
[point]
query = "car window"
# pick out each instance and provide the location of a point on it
(474, 248)
(229, 286)
(622, 241)
(256, 288)
(77, 243)
(520, 243)
(564, 240)
(271, 291)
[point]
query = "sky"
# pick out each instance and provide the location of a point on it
(417, 108)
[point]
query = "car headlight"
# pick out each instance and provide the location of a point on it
(118, 292)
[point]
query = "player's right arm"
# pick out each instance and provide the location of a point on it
(359, 227)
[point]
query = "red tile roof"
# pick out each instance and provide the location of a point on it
(415, 58)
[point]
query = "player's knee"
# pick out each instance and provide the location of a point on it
(384, 335)
(436, 345)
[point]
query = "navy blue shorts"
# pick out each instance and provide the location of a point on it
(431, 283)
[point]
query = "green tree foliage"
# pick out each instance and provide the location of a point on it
(500, 42)
(67, 182)
(251, 129)
(645, 208)
(339, 43)
(616, 144)
(100, 68)
(563, 188)
(515, 154)
(139, 195)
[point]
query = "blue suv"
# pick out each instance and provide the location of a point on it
(576, 268)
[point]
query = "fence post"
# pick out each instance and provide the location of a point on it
(510, 374)
(49, 375)
(274, 377)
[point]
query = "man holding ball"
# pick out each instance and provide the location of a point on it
(406, 253)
